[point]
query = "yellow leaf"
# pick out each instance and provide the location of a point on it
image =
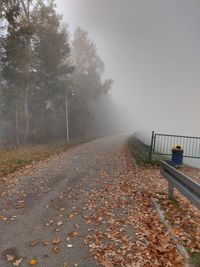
(32, 262)
(2, 218)
(75, 234)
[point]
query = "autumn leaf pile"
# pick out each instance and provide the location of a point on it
(119, 224)
(125, 228)
(181, 214)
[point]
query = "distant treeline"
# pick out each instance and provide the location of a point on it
(44, 74)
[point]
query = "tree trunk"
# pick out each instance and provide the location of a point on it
(26, 8)
(17, 124)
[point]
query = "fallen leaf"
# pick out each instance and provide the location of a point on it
(18, 262)
(55, 250)
(10, 257)
(32, 262)
(75, 234)
(20, 206)
(50, 222)
(56, 241)
(2, 218)
(34, 243)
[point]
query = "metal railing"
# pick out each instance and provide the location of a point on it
(185, 185)
(161, 144)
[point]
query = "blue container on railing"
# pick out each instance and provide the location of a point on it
(177, 155)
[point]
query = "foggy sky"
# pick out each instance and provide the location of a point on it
(152, 51)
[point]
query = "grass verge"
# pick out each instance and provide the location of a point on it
(185, 228)
(14, 159)
(140, 153)
(195, 257)
(181, 215)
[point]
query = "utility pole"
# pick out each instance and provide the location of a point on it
(67, 117)
(26, 8)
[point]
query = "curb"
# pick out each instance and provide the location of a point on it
(182, 251)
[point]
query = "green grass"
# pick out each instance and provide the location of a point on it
(141, 155)
(188, 228)
(195, 257)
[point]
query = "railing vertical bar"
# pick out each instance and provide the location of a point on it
(160, 148)
(190, 147)
(166, 144)
(157, 143)
(162, 144)
(196, 145)
(186, 146)
(193, 146)
(154, 143)
(171, 144)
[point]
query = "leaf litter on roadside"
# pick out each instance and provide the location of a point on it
(127, 230)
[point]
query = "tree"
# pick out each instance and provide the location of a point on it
(51, 51)
(35, 71)
(41, 79)
(87, 81)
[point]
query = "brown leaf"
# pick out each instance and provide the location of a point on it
(55, 250)
(2, 218)
(20, 206)
(75, 234)
(46, 242)
(56, 241)
(34, 243)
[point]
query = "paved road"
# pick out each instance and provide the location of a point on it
(49, 204)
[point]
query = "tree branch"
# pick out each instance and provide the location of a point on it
(25, 9)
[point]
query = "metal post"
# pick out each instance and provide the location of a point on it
(67, 117)
(151, 147)
(170, 190)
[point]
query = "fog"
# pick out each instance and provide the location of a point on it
(106, 67)
(151, 50)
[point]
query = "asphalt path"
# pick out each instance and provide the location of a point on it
(44, 212)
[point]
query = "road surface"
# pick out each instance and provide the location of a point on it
(45, 213)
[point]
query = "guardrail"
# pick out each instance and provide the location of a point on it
(185, 185)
